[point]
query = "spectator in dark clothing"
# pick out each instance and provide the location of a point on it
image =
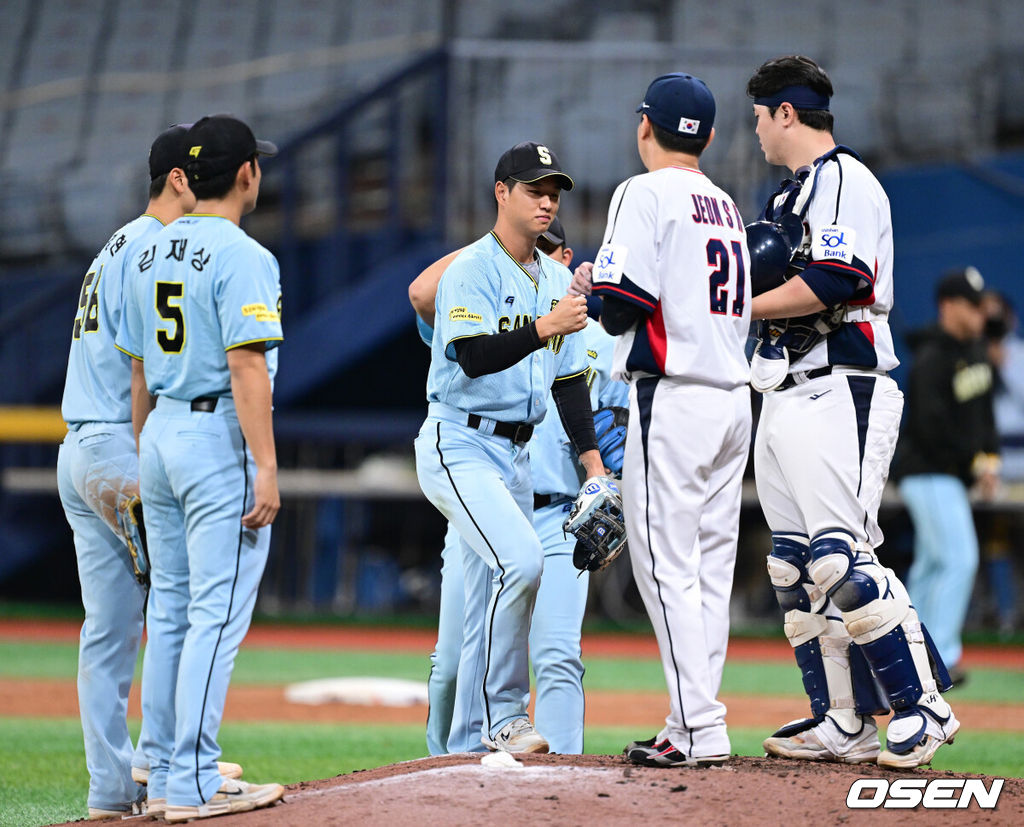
(948, 445)
(1002, 530)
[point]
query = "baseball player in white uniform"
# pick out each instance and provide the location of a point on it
(555, 629)
(502, 340)
(98, 480)
(827, 431)
(204, 321)
(673, 277)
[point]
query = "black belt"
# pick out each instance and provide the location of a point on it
(790, 382)
(205, 404)
(544, 500)
(516, 431)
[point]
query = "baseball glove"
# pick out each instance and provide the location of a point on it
(133, 532)
(610, 425)
(597, 523)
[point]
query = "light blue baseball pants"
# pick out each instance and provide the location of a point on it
(196, 477)
(941, 578)
(554, 646)
(95, 462)
(482, 485)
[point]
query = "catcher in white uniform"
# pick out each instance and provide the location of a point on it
(673, 275)
(826, 435)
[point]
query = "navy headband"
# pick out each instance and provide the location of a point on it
(801, 97)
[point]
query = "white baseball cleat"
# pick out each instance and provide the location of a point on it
(234, 796)
(133, 808)
(99, 814)
(517, 736)
(140, 775)
(924, 733)
(155, 807)
(825, 741)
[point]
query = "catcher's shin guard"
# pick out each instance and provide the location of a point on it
(836, 680)
(878, 616)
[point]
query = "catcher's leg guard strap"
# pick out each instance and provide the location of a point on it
(822, 649)
(821, 646)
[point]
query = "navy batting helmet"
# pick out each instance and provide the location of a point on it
(771, 245)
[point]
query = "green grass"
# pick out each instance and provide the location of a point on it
(43, 778)
(278, 666)
(42, 767)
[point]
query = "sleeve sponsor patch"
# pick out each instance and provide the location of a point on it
(609, 264)
(834, 243)
(461, 314)
(261, 312)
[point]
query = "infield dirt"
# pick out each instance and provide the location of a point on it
(594, 790)
(588, 790)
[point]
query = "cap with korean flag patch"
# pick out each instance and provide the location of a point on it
(680, 104)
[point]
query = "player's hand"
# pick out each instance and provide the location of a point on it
(581, 280)
(268, 500)
(987, 486)
(568, 316)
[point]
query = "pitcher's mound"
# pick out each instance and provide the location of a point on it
(594, 790)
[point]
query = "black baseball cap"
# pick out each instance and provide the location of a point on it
(218, 144)
(965, 283)
(528, 162)
(680, 104)
(168, 151)
(554, 234)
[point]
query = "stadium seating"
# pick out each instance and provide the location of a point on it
(86, 82)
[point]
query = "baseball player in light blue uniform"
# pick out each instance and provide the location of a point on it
(561, 599)
(204, 318)
(98, 477)
(501, 341)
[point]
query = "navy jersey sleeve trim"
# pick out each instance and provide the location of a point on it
(834, 282)
(625, 290)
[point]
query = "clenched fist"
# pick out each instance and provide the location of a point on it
(568, 316)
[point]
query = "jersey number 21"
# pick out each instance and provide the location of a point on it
(719, 257)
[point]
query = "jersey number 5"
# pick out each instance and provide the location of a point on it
(170, 340)
(718, 257)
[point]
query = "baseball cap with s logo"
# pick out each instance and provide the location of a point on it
(528, 162)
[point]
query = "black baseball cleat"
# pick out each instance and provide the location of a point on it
(632, 745)
(663, 754)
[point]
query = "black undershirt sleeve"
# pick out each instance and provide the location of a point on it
(481, 355)
(572, 398)
(618, 316)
